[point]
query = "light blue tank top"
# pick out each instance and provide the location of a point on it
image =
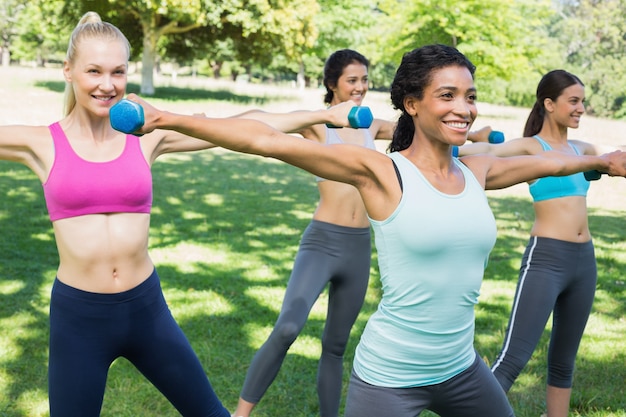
(432, 252)
(556, 187)
(332, 137)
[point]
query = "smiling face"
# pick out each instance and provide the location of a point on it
(98, 74)
(351, 85)
(447, 109)
(568, 107)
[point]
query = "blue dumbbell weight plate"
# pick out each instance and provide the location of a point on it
(496, 137)
(361, 117)
(126, 116)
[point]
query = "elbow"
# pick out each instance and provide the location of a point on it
(264, 144)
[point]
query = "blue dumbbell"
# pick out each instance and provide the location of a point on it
(495, 136)
(360, 117)
(592, 175)
(126, 116)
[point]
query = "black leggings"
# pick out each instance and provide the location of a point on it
(472, 393)
(88, 331)
(328, 253)
(556, 277)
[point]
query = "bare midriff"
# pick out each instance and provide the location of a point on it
(562, 218)
(340, 204)
(104, 253)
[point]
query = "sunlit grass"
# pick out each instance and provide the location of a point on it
(224, 233)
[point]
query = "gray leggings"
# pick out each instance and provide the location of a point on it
(472, 393)
(556, 277)
(331, 254)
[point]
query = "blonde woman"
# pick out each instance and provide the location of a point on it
(106, 301)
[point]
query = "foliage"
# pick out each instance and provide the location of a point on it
(37, 43)
(10, 11)
(593, 35)
(341, 24)
(501, 37)
(512, 42)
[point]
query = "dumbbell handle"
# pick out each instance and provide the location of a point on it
(126, 116)
(592, 175)
(495, 136)
(360, 117)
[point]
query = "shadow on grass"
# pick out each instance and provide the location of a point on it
(515, 217)
(27, 267)
(254, 211)
(182, 94)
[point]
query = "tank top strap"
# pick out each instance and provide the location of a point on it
(547, 147)
(61, 143)
(543, 143)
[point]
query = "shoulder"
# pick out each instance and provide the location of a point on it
(528, 145)
(382, 129)
(584, 148)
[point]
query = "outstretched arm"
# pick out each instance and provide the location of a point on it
(296, 121)
(341, 163)
(480, 135)
(504, 172)
(370, 171)
(521, 146)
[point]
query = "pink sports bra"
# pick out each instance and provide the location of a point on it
(76, 187)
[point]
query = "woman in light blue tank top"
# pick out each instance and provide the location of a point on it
(558, 271)
(414, 197)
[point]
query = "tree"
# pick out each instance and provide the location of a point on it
(158, 19)
(340, 24)
(274, 27)
(155, 21)
(501, 37)
(249, 33)
(9, 14)
(36, 42)
(593, 35)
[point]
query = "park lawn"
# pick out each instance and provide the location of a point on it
(225, 230)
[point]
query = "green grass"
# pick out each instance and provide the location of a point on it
(225, 229)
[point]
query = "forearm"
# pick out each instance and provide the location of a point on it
(241, 135)
(570, 164)
(504, 172)
(292, 122)
(475, 148)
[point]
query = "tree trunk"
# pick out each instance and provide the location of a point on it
(216, 67)
(301, 83)
(6, 56)
(147, 64)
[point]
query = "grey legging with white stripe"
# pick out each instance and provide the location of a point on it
(556, 277)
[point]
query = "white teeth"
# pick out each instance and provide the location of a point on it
(457, 125)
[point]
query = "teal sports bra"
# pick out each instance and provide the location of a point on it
(556, 187)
